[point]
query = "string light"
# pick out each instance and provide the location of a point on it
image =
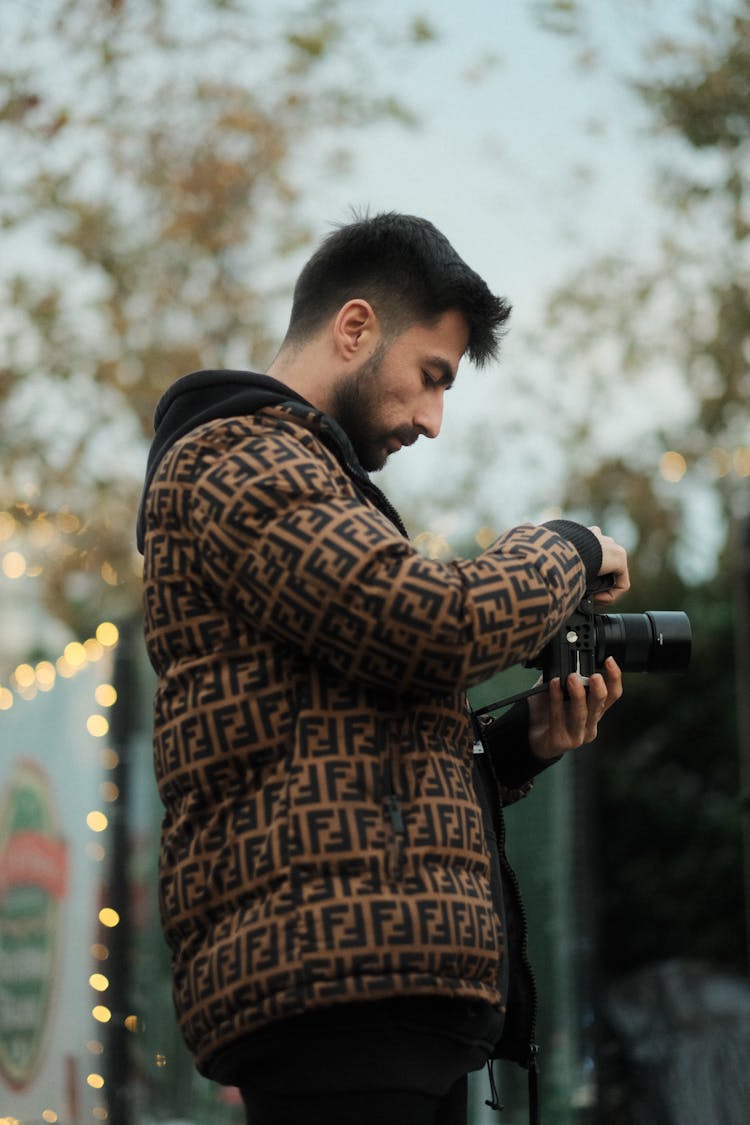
(110, 758)
(24, 676)
(109, 917)
(672, 466)
(109, 574)
(741, 461)
(46, 675)
(485, 536)
(67, 522)
(107, 634)
(97, 726)
(109, 792)
(105, 695)
(14, 564)
(75, 654)
(26, 680)
(93, 649)
(432, 545)
(97, 821)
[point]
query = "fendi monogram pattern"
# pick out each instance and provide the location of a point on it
(312, 666)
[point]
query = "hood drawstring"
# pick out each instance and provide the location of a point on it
(494, 1099)
(533, 1072)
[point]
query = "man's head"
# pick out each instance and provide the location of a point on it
(382, 314)
(407, 271)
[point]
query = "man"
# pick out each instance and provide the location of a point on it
(344, 926)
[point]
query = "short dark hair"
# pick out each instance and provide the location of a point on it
(409, 273)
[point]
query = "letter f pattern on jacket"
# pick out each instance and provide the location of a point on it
(322, 840)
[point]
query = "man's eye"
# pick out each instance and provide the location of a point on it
(428, 379)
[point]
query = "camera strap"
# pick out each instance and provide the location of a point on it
(477, 712)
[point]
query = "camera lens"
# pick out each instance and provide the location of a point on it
(655, 641)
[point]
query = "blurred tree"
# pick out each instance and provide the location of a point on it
(665, 340)
(659, 345)
(667, 815)
(153, 158)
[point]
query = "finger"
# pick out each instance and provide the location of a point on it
(598, 701)
(577, 709)
(620, 586)
(613, 676)
(567, 713)
(615, 562)
(604, 691)
(556, 704)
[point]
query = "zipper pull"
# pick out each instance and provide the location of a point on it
(534, 1118)
(396, 814)
(396, 844)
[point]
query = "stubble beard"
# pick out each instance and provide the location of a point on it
(354, 403)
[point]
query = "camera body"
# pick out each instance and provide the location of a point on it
(655, 641)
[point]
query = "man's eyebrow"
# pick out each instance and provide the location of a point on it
(447, 374)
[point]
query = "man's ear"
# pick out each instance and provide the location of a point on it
(355, 330)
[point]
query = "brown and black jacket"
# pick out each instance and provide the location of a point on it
(322, 840)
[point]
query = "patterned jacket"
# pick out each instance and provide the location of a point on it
(322, 840)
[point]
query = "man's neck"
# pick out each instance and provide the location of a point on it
(307, 371)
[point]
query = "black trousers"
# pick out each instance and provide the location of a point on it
(357, 1107)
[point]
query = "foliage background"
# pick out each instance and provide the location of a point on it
(166, 166)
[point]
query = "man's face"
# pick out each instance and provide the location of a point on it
(396, 395)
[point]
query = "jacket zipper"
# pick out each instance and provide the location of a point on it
(531, 1065)
(510, 881)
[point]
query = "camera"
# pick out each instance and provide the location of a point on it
(655, 641)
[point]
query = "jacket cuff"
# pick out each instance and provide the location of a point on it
(506, 741)
(584, 541)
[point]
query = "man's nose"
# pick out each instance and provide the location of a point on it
(429, 417)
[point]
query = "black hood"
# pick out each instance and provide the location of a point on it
(202, 397)
(206, 395)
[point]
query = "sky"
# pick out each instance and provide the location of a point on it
(508, 123)
(509, 132)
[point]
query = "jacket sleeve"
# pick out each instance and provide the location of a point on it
(290, 547)
(506, 744)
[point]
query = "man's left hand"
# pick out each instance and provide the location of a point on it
(557, 725)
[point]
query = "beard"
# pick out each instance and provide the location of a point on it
(356, 406)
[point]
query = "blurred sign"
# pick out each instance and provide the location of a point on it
(33, 885)
(51, 869)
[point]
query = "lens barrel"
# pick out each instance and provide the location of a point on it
(655, 641)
